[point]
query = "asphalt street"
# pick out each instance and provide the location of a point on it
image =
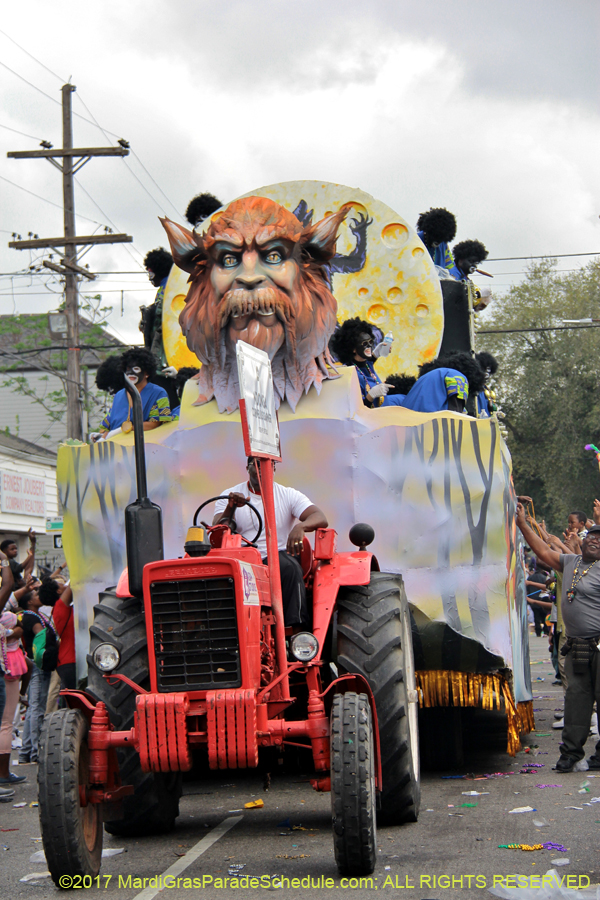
(451, 852)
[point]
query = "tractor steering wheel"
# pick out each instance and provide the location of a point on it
(226, 497)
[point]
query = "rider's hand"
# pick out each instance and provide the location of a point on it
(295, 540)
(378, 390)
(382, 349)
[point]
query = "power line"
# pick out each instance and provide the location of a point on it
(523, 330)
(547, 256)
(22, 133)
(32, 56)
(133, 153)
(27, 191)
(154, 200)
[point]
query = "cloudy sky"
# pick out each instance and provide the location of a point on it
(490, 109)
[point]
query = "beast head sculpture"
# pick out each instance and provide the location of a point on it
(257, 276)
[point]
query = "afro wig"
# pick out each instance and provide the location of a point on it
(159, 261)
(138, 356)
(344, 339)
(438, 224)
(487, 362)
(109, 376)
(469, 250)
(401, 384)
(182, 377)
(464, 363)
(200, 207)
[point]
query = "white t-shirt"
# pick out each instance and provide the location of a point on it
(289, 506)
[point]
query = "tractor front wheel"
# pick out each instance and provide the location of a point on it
(71, 828)
(374, 639)
(353, 784)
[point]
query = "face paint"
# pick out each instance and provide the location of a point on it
(133, 374)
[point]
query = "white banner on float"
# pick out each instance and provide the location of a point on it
(22, 494)
(256, 388)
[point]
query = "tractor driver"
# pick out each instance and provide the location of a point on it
(290, 505)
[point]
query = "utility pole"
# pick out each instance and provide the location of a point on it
(72, 161)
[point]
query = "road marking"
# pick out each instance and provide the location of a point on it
(191, 856)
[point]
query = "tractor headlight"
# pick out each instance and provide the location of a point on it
(106, 657)
(304, 646)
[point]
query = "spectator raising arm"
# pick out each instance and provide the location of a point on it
(550, 557)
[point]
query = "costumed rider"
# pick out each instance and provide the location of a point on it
(468, 255)
(181, 379)
(437, 228)
(158, 265)
(580, 607)
(290, 505)
(486, 398)
(139, 366)
(354, 344)
(445, 384)
(200, 207)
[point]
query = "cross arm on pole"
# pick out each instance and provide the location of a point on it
(70, 152)
(76, 240)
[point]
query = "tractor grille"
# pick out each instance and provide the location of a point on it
(195, 634)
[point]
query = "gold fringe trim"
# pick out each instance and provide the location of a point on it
(447, 688)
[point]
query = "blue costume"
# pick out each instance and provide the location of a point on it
(483, 406)
(431, 391)
(442, 256)
(155, 407)
(368, 378)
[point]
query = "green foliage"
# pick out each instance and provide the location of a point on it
(30, 333)
(548, 387)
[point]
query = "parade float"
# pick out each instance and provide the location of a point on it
(436, 487)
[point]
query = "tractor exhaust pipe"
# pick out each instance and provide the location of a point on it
(143, 519)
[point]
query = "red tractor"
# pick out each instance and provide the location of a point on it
(192, 654)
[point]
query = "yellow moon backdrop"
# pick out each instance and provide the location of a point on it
(397, 289)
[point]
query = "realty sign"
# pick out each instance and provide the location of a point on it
(256, 389)
(23, 495)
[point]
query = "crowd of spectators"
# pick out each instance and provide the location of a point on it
(30, 681)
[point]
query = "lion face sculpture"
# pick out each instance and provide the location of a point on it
(257, 275)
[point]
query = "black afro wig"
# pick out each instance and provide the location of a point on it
(487, 362)
(464, 363)
(159, 261)
(182, 377)
(438, 224)
(469, 250)
(109, 376)
(401, 384)
(200, 207)
(344, 340)
(138, 356)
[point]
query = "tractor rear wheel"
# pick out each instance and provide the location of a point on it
(374, 638)
(353, 784)
(154, 805)
(71, 832)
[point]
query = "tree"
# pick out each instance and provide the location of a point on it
(548, 386)
(25, 344)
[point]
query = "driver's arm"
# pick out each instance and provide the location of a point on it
(228, 514)
(311, 519)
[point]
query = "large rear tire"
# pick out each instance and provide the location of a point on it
(374, 639)
(353, 784)
(71, 833)
(154, 805)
